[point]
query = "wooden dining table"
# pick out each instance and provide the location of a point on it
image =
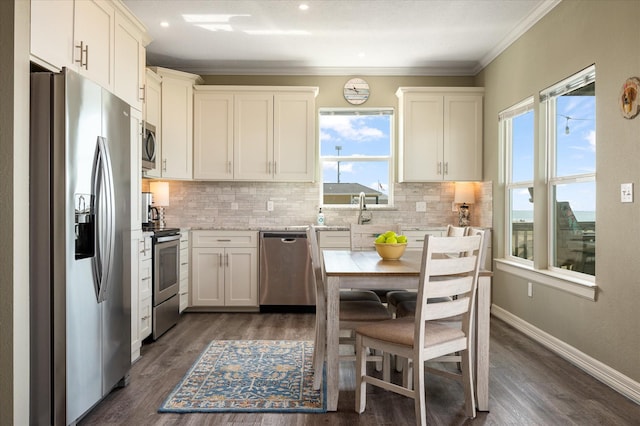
(365, 269)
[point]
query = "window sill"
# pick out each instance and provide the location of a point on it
(572, 285)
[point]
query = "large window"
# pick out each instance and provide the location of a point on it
(517, 133)
(356, 156)
(570, 123)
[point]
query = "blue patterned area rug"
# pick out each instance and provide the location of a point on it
(249, 376)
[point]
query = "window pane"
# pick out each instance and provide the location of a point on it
(522, 223)
(576, 132)
(522, 148)
(574, 227)
(347, 144)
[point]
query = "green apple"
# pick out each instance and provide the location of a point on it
(401, 238)
(392, 240)
(389, 234)
(381, 239)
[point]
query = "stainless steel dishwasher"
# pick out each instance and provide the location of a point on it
(286, 280)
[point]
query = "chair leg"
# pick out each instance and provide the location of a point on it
(419, 393)
(319, 354)
(386, 367)
(467, 383)
(361, 370)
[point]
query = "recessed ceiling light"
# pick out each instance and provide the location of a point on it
(303, 6)
(164, 24)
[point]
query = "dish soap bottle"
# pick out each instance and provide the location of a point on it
(320, 217)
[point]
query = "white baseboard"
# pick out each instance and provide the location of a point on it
(602, 372)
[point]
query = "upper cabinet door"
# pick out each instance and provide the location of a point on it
(463, 137)
(421, 134)
(213, 136)
(129, 62)
(177, 130)
(253, 136)
(52, 33)
(293, 141)
(93, 47)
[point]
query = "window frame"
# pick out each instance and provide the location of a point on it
(390, 159)
(548, 113)
(505, 119)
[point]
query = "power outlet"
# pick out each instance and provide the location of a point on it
(530, 289)
(626, 193)
(270, 206)
(421, 206)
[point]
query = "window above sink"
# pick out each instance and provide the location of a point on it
(356, 156)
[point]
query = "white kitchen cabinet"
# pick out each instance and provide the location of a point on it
(135, 280)
(129, 60)
(100, 39)
(94, 40)
(52, 33)
(145, 283)
(415, 237)
(293, 136)
(176, 123)
(224, 271)
(152, 110)
(440, 134)
(213, 136)
(254, 133)
(336, 240)
(184, 269)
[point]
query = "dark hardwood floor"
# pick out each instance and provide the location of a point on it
(529, 385)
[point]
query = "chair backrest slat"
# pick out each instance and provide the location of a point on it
(449, 288)
(450, 309)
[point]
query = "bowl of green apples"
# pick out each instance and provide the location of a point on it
(390, 246)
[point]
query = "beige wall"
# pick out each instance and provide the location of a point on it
(571, 37)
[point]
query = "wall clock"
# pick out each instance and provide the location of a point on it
(356, 91)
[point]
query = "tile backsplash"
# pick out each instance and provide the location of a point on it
(201, 204)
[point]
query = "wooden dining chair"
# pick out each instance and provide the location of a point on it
(353, 312)
(428, 335)
(407, 308)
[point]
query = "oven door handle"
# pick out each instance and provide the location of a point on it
(167, 238)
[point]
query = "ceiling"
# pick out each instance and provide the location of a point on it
(333, 37)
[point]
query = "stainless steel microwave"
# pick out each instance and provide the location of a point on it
(149, 147)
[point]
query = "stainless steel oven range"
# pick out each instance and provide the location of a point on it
(166, 280)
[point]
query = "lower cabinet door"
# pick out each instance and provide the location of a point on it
(208, 276)
(241, 277)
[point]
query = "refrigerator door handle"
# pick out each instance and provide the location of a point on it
(105, 218)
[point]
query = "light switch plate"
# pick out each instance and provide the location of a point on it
(626, 192)
(270, 206)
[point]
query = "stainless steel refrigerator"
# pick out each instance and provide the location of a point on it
(80, 309)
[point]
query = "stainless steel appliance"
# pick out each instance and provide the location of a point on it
(286, 280)
(150, 213)
(80, 246)
(149, 147)
(166, 280)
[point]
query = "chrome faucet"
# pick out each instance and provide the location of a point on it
(363, 215)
